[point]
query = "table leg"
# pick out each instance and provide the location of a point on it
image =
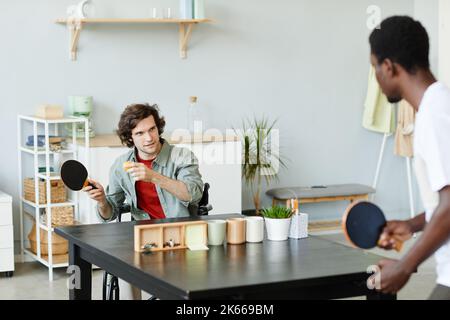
(81, 287)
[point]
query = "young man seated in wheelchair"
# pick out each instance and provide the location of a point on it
(156, 179)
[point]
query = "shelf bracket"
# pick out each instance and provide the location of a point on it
(75, 27)
(185, 34)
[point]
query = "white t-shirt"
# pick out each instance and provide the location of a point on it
(432, 160)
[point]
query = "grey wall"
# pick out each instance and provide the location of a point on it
(427, 11)
(302, 61)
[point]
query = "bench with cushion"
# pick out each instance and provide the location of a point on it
(315, 194)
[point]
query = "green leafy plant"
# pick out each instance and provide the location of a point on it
(261, 160)
(277, 212)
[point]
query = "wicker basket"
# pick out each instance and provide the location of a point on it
(57, 190)
(59, 244)
(61, 216)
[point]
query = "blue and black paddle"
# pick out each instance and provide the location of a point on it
(75, 176)
(363, 223)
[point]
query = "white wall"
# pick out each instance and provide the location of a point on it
(444, 42)
(427, 12)
(304, 62)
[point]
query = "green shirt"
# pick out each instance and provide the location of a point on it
(173, 162)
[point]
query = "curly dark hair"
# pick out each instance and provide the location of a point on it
(132, 115)
(403, 40)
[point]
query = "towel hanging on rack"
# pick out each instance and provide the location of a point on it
(405, 130)
(379, 115)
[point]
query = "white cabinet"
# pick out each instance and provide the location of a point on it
(219, 165)
(6, 235)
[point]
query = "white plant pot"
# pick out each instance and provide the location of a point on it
(277, 229)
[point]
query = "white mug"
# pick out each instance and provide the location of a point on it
(254, 229)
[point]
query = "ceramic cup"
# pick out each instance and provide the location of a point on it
(254, 229)
(216, 232)
(236, 230)
(80, 105)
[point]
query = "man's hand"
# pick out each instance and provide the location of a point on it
(394, 232)
(95, 194)
(98, 195)
(140, 172)
(393, 276)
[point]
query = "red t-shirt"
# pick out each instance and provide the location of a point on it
(147, 197)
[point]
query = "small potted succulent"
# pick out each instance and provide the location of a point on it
(278, 222)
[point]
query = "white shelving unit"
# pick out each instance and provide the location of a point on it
(43, 126)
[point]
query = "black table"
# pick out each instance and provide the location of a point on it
(311, 268)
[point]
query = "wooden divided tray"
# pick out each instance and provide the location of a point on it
(170, 236)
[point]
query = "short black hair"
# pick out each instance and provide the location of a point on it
(402, 40)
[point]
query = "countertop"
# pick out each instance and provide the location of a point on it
(112, 140)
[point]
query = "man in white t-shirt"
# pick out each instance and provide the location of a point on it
(399, 53)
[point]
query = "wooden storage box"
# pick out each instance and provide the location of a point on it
(61, 216)
(50, 112)
(57, 190)
(160, 235)
(59, 244)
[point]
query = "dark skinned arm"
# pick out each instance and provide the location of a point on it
(397, 231)
(435, 234)
(417, 223)
(395, 274)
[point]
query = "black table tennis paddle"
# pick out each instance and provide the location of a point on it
(75, 176)
(363, 224)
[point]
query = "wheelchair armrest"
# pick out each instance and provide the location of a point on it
(203, 210)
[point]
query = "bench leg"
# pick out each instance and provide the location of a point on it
(363, 197)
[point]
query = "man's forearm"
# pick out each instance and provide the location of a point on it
(435, 234)
(417, 223)
(105, 210)
(175, 187)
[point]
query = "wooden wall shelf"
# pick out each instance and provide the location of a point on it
(185, 29)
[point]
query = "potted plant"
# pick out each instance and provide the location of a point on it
(278, 222)
(261, 157)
